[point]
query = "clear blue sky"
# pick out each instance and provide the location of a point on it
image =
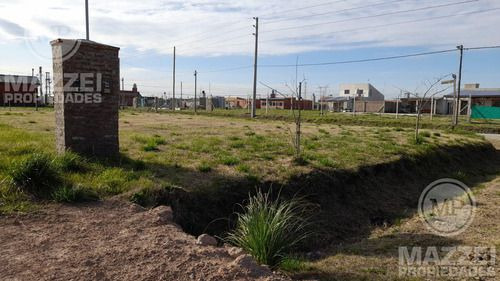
(213, 35)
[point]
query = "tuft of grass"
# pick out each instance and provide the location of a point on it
(150, 143)
(425, 134)
(35, 175)
(327, 162)
(323, 131)
(244, 168)
(291, 264)
(229, 160)
(70, 162)
(113, 181)
(204, 167)
(436, 134)
(70, 194)
(269, 229)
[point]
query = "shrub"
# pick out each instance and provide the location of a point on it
(70, 194)
(35, 175)
(269, 229)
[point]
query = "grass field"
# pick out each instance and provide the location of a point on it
(362, 177)
(367, 119)
(189, 152)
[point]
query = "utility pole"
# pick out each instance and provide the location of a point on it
(123, 84)
(256, 34)
(173, 85)
(41, 88)
(461, 48)
(267, 103)
(397, 104)
(298, 121)
(87, 19)
(181, 97)
(432, 107)
(469, 108)
(47, 87)
(195, 84)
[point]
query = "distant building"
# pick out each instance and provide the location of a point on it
(277, 102)
(361, 97)
(365, 91)
(235, 102)
(18, 90)
(127, 97)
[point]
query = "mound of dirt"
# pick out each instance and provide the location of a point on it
(114, 240)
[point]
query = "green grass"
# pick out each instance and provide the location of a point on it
(269, 229)
(368, 119)
(35, 175)
(200, 151)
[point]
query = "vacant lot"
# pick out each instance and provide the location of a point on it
(191, 152)
(367, 119)
(364, 179)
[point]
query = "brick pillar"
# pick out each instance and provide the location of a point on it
(86, 93)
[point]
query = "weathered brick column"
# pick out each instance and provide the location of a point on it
(86, 97)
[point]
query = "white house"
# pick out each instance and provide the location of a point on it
(365, 91)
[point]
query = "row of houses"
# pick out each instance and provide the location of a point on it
(361, 97)
(366, 98)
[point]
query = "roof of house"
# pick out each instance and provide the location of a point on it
(478, 93)
(6, 78)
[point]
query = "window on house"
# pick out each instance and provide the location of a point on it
(360, 92)
(347, 92)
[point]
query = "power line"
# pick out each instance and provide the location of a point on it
(334, 12)
(363, 60)
(303, 8)
(383, 25)
(374, 16)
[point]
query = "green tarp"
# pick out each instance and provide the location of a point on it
(485, 112)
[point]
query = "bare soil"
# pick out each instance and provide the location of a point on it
(113, 240)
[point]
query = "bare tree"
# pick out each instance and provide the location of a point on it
(297, 116)
(431, 90)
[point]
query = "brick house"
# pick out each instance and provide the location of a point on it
(276, 102)
(235, 102)
(127, 97)
(18, 90)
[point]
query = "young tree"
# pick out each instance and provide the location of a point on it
(432, 88)
(297, 116)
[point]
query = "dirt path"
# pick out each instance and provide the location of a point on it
(113, 240)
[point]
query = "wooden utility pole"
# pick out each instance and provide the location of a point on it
(254, 98)
(195, 86)
(173, 85)
(87, 19)
(461, 49)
